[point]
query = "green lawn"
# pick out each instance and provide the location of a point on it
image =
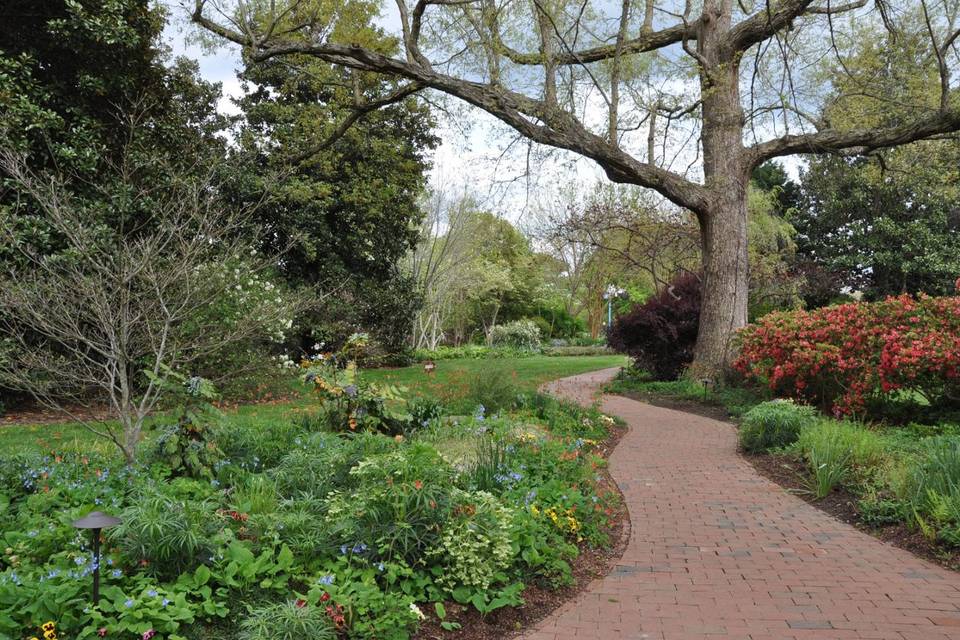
(447, 383)
(527, 373)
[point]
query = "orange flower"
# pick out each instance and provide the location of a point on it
(418, 484)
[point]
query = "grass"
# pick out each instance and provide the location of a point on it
(528, 373)
(449, 383)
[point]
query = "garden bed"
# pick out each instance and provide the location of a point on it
(366, 516)
(539, 602)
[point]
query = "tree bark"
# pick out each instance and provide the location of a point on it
(723, 224)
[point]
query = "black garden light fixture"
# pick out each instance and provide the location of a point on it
(96, 521)
(708, 385)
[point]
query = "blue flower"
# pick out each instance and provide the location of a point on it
(152, 593)
(128, 604)
(164, 602)
(32, 534)
(359, 548)
(116, 573)
(350, 390)
(328, 579)
(379, 566)
(79, 561)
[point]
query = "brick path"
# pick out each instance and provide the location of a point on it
(717, 551)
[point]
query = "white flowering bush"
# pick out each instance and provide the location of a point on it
(519, 334)
(252, 314)
(251, 297)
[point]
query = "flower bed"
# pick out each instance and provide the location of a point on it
(308, 526)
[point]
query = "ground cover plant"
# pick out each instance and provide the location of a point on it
(353, 517)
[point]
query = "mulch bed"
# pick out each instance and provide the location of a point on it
(540, 602)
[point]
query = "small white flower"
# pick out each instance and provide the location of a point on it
(416, 611)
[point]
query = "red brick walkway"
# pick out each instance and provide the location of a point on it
(717, 551)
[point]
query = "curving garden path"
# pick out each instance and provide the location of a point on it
(718, 551)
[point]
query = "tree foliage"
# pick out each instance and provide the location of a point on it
(880, 229)
(345, 205)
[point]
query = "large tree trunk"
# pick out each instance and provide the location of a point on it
(723, 308)
(723, 224)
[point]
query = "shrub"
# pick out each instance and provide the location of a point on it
(519, 334)
(401, 501)
(660, 334)
(773, 424)
(467, 351)
(598, 350)
(476, 544)
(844, 356)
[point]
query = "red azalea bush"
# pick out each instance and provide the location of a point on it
(844, 356)
(660, 333)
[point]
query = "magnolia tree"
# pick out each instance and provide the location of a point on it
(110, 317)
(683, 97)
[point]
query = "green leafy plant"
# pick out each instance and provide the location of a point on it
(446, 625)
(475, 548)
(519, 334)
(353, 404)
(291, 620)
(774, 424)
(491, 391)
(188, 446)
(491, 461)
(838, 451)
(166, 535)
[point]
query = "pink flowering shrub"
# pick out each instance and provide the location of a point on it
(844, 356)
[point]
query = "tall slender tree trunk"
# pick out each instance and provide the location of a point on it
(723, 224)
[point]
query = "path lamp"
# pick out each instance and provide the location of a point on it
(612, 291)
(96, 521)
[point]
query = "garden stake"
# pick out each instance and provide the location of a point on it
(96, 521)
